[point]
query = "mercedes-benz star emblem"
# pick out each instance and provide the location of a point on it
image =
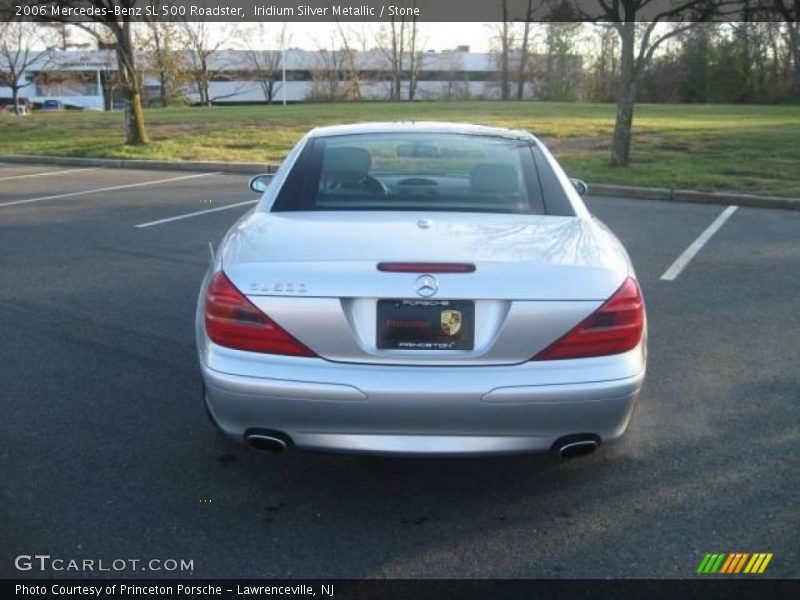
(427, 285)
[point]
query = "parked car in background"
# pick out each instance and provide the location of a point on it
(52, 105)
(421, 288)
(23, 106)
(17, 110)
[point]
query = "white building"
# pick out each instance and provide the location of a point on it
(74, 78)
(85, 78)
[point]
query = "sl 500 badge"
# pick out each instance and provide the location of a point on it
(280, 287)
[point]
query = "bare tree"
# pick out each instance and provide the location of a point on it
(638, 42)
(562, 67)
(164, 47)
(267, 63)
(63, 35)
(456, 86)
(415, 57)
(604, 67)
(22, 46)
(399, 42)
(200, 49)
(523, 52)
(204, 57)
(397, 49)
(326, 75)
(506, 38)
(790, 13)
(349, 63)
(120, 29)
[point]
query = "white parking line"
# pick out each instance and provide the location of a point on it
(193, 214)
(680, 263)
(46, 173)
(107, 189)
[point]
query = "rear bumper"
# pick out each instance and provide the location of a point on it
(423, 410)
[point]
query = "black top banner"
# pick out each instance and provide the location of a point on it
(383, 11)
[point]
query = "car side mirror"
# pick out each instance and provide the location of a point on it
(580, 186)
(260, 183)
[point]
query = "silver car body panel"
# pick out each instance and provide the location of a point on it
(517, 256)
(315, 274)
(347, 407)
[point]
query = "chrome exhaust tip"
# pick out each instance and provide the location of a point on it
(576, 445)
(577, 448)
(266, 443)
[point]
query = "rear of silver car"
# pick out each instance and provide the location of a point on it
(411, 331)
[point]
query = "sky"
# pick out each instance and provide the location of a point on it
(309, 36)
(480, 37)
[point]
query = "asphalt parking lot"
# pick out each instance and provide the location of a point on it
(107, 452)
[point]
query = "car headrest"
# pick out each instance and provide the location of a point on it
(494, 177)
(347, 162)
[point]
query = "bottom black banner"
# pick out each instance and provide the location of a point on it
(416, 589)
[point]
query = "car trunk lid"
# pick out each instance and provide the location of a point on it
(516, 257)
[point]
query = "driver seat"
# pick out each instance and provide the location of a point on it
(347, 168)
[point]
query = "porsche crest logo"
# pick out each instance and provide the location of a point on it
(451, 321)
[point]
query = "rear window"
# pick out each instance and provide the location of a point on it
(414, 171)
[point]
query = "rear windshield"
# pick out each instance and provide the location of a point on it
(414, 171)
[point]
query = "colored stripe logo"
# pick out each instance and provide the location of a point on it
(734, 563)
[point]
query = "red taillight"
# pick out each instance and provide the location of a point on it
(233, 321)
(415, 267)
(613, 328)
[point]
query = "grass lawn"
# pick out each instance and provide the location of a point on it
(721, 147)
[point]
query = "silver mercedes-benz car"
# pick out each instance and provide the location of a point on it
(421, 288)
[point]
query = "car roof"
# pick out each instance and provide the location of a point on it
(419, 127)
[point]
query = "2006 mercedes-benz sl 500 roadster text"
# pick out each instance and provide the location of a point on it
(421, 288)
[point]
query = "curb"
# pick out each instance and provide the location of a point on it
(672, 195)
(595, 189)
(165, 165)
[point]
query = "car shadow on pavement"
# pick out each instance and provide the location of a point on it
(526, 515)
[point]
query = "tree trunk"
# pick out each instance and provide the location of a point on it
(523, 55)
(412, 76)
(201, 99)
(161, 61)
(401, 50)
(504, 51)
(794, 40)
(135, 132)
(164, 83)
(626, 97)
(395, 75)
(107, 91)
(796, 78)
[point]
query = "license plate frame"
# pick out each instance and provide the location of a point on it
(425, 324)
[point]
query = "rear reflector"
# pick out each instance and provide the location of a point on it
(613, 328)
(235, 322)
(413, 267)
